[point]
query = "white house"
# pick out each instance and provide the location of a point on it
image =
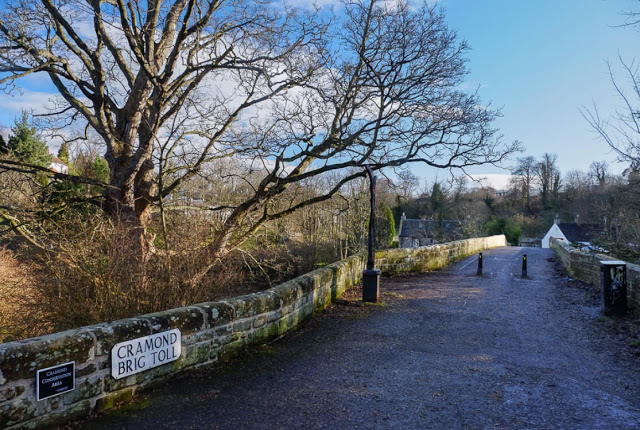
(573, 233)
(59, 166)
(554, 231)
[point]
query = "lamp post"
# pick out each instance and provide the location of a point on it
(371, 275)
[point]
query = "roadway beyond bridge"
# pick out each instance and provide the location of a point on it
(448, 350)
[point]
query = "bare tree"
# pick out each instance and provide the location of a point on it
(139, 67)
(599, 172)
(407, 184)
(621, 130)
(549, 180)
(525, 172)
(632, 18)
(171, 86)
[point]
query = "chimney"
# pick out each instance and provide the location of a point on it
(556, 219)
(577, 219)
(403, 217)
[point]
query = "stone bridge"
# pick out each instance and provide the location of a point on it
(446, 349)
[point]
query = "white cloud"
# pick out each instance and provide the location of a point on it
(497, 181)
(15, 102)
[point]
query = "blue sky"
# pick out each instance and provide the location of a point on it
(539, 60)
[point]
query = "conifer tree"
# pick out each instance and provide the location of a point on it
(63, 153)
(3, 146)
(25, 144)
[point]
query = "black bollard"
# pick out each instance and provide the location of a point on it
(479, 272)
(524, 266)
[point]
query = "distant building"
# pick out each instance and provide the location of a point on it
(59, 166)
(422, 232)
(572, 233)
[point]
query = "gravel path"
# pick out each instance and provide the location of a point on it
(448, 350)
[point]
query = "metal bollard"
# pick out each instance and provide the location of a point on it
(479, 272)
(524, 266)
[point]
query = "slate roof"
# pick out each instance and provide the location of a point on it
(424, 228)
(580, 232)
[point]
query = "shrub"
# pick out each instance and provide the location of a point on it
(507, 226)
(91, 273)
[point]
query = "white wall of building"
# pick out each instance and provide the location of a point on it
(554, 231)
(59, 167)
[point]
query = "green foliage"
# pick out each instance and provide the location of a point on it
(63, 153)
(385, 226)
(437, 198)
(490, 202)
(413, 209)
(25, 144)
(502, 225)
(101, 169)
(4, 148)
(388, 214)
(91, 165)
(437, 206)
(67, 198)
(534, 226)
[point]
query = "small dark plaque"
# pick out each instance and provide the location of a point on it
(55, 380)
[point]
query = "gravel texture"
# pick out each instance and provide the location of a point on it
(446, 350)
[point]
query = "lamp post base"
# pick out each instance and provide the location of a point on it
(371, 285)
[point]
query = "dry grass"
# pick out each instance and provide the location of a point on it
(18, 299)
(91, 273)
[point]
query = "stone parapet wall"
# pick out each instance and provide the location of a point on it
(586, 267)
(210, 332)
(404, 260)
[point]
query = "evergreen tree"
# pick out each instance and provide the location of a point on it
(385, 226)
(100, 169)
(25, 144)
(437, 205)
(504, 225)
(4, 149)
(63, 153)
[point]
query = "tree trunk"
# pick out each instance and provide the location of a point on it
(129, 202)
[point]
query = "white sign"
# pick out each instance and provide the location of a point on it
(144, 353)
